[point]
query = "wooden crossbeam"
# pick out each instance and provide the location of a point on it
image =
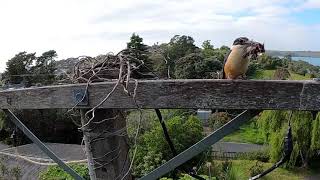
(189, 94)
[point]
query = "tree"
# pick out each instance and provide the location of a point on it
(178, 47)
(274, 125)
(28, 69)
(194, 66)
(18, 68)
(315, 141)
(140, 52)
(207, 49)
(44, 68)
(269, 62)
(159, 59)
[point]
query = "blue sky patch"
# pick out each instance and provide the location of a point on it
(307, 17)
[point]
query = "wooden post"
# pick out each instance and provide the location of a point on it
(87, 145)
(108, 141)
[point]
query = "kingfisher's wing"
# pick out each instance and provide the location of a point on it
(224, 62)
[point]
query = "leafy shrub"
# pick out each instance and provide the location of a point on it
(218, 119)
(262, 155)
(153, 149)
(231, 172)
(55, 172)
(256, 169)
(3, 169)
(281, 74)
(15, 172)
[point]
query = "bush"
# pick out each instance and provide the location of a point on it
(262, 156)
(55, 172)
(256, 169)
(252, 69)
(281, 74)
(232, 173)
(194, 66)
(218, 119)
(153, 149)
(15, 172)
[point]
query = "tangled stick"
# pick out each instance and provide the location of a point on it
(121, 68)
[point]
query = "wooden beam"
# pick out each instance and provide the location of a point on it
(213, 94)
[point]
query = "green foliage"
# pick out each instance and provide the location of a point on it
(3, 169)
(262, 156)
(281, 74)
(301, 129)
(234, 173)
(302, 68)
(139, 51)
(18, 66)
(7, 172)
(276, 143)
(274, 127)
(294, 156)
(247, 133)
(252, 69)
(256, 169)
(271, 121)
(187, 177)
(223, 170)
(315, 140)
(225, 48)
(218, 119)
(178, 47)
(44, 69)
(150, 161)
(55, 172)
(16, 172)
(159, 60)
(268, 62)
(153, 149)
(280, 173)
(207, 49)
(194, 66)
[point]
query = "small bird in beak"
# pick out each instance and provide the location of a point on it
(237, 60)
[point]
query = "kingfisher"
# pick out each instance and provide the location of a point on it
(237, 60)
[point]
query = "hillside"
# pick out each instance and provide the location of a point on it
(315, 54)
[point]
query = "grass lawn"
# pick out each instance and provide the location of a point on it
(279, 173)
(264, 74)
(246, 134)
(268, 74)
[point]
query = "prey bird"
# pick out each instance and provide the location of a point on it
(237, 60)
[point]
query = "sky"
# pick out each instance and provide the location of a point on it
(92, 27)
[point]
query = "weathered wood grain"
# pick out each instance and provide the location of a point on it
(214, 94)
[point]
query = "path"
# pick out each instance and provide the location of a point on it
(237, 147)
(31, 160)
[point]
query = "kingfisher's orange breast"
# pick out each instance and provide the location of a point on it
(236, 65)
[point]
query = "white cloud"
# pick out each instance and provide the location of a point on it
(311, 4)
(82, 27)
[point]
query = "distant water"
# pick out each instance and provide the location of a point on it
(311, 60)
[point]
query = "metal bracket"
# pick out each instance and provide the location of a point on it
(80, 97)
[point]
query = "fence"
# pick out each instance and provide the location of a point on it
(253, 95)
